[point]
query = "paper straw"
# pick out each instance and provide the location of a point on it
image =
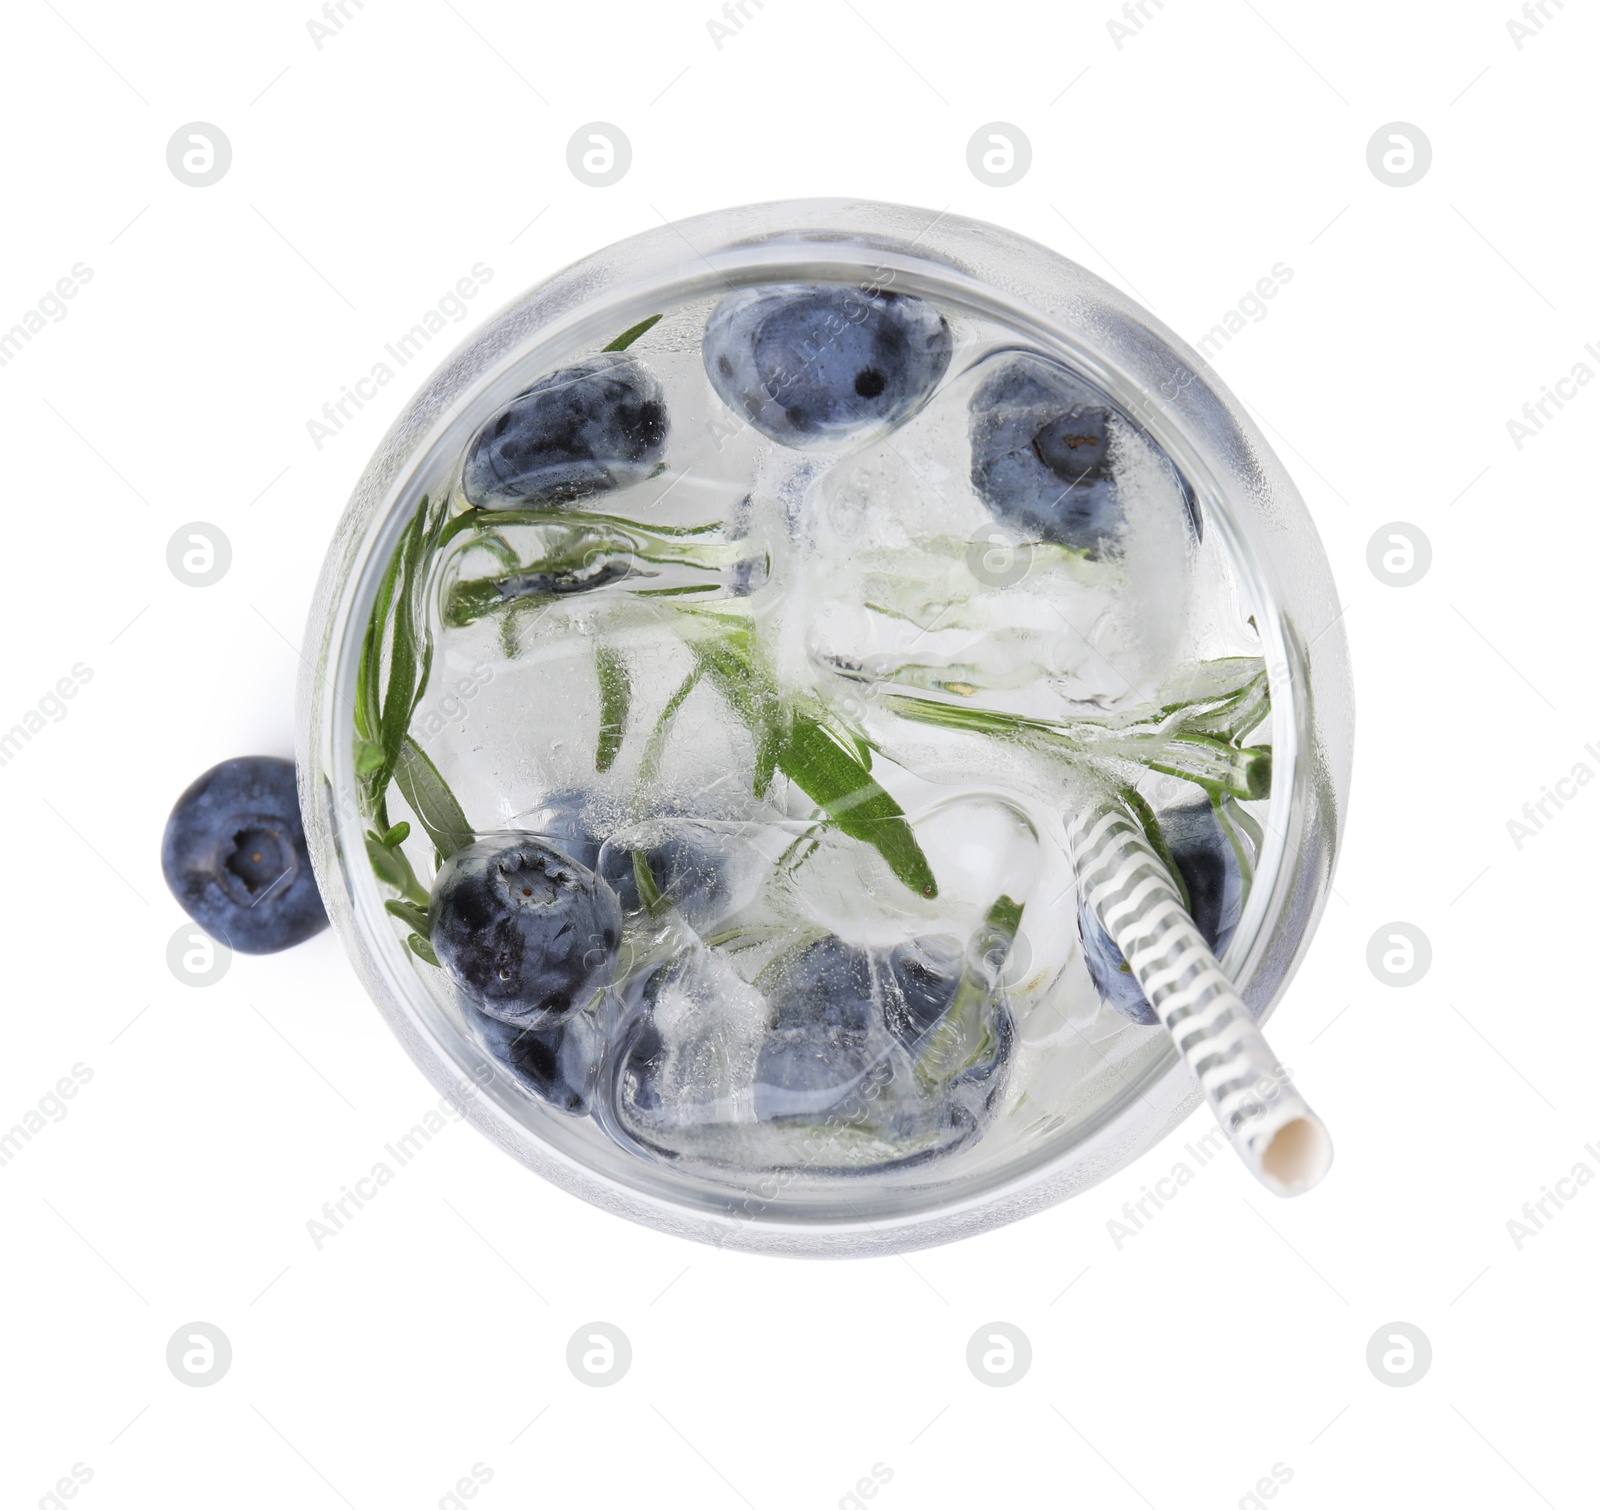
(1130, 891)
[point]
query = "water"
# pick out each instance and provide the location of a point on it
(816, 715)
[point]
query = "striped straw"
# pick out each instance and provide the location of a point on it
(1131, 892)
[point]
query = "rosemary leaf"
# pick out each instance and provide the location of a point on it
(835, 779)
(409, 913)
(422, 949)
(630, 335)
(615, 694)
(393, 869)
(431, 800)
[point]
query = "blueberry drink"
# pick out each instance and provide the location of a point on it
(721, 704)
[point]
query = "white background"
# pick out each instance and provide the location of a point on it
(1226, 1337)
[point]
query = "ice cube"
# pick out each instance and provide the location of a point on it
(835, 1058)
(907, 563)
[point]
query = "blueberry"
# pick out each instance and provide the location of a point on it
(525, 930)
(589, 428)
(690, 875)
(588, 577)
(686, 868)
(1041, 453)
(234, 854)
(558, 1065)
(831, 1004)
(750, 573)
(824, 1041)
(1209, 866)
(925, 975)
(564, 817)
(645, 1068)
(813, 364)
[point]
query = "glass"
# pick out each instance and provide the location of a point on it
(1056, 1091)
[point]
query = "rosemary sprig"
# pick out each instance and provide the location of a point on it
(1196, 739)
(798, 738)
(577, 553)
(398, 640)
(398, 637)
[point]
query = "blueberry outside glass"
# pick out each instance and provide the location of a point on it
(701, 679)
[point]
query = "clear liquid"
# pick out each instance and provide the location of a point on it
(869, 588)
